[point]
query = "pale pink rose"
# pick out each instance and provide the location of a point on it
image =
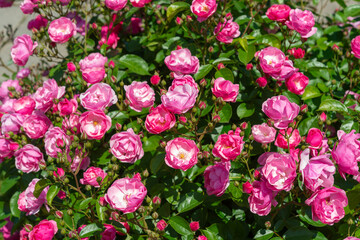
(302, 21)
(286, 71)
(292, 142)
(203, 9)
(181, 99)
(45, 95)
(263, 133)
(278, 170)
(278, 12)
(225, 89)
(161, 225)
(126, 146)
(67, 107)
(24, 105)
(139, 3)
(45, 230)
(216, 178)
(7, 231)
(227, 31)
(92, 68)
(28, 202)
(27, 6)
(115, 5)
(355, 46)
(79, 160)
(7, 106)
(181, 62)
(22, 49)
(11, 123)
(4, 89)
(186, 79)
(37, 23)
(98, 97)
(71, 123)
(28, 158)
(91, 175)
(271, 60)
(140, 95)
(297, 83)
(181, 153)
(261, 199)
(36, 125)
(94, 124)
(315, 138)
(56, 141)
(228, 146)
(327, 205)
(7, 147)
(281, 110)
(159, 120)
(61, 30)
(316, 171)
(126, 194)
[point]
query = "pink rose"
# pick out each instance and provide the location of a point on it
(181, 99)
(79, 161)
(287, 70)
(126, 194)
(217, 178)
(225, 89)
(11, 123)
(4, 89)
(7, 106)
(297, 83)
(355, 46)
(314, 138)
(71, 123)
(22, 49)
(7, 231)
(159, 120)
(135, 26)
(302, 21)
(327, 205)
(228, 146)
(61, 30)
(24, 235)
(92, 68)
(263, 133)
(115, 5)
(94, 124)
(37, 23)
(203, 9)
(247, 187)
(278, 12)
(45, 230)
(281, 110)
(45, 95)
(71, 67)
(202, 237)
(110, 33)
(67, 107)
(28, 158)
(126, 146)
(186, 79)
(181, 62)
(194, 226)
(155, 79)
(27, 6)
(227, 31)
(109, 233)
(140, 95)
(28, 202)
(24, 105)
(298, 53)
(292, 142)
(278, 170)
(181, 153)
(56, 141)
(139, 3)
(7, 148)
(261, 199)
(91, 175)
(98, 97)
(161, 225)
(36, 125)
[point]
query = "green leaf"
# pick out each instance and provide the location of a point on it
(190, 201)
(311, 92)
(297, 233)
(269, 40)
(40, 185)
(86, 203)
(180, 225)
(306, 124)
(90, 230)
(52, 193)
(225, 113)
(225, 73)
(14, 205)
(332, 105)
(349, 125)
(151, 143)
(118, 226)
(341, 3)
(100, 212)
(245, 110)
(264, 234)
(292, 97)
(157, 162)
(352, 11)
(135, 64)
(306, 216)
(203, 71)
(222, 60)
(175, 8)
(246, 56)
(8, 184)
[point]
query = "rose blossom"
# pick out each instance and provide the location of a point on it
(98, 97)
(181, 99)
(109, 233)
(155, 80)
(181, 62)
(227, 31)
(24, 105)
(278, 12)
(225, 89)
(181, 153)
(290, 143)
(92, 68)
(186, 79)
(327, 205)
(228, 146)
(45, 95)
(37, 23)
(55, 141)
(28, 202)
(27, 6)
(61, 30)
(22, 49)
(216, 178)
(298, 53)
(67, 107)
(79, 160)
(281, 110)
(7, 106)
(159, 120)
(161, 225)
(263, 133)
(7, 230)
(261, 199)
(91, 175)
(45, 230)
(36, 125)
(11, 123)
(28, 158)
(139, 3)
(110, 33)
(94, 124)
(4, 89)
(355, 46)
(126, 146)
(7, 147)
(115, 5)
(314, 138)
(302, 21)
(126, 194)
(194, 226)
(297, 83)
(247, 187)
(203, 9)
(23, 73)
(140, 95)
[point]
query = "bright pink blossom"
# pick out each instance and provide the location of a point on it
(45, 95)
(36, 125)
(261, 199)
(140, 95)
(216, 178)
(92, 68)
(297, 83)
(181, 153)
(225, 89)
(203, 9)
(263, 133)
(228, 30)
(45, 230)
(181, 99)
(98, 97)
(302, 21)
(278, 12)
(61, 30)
(91, 175)
(28, 158)
(292, 142)
(181, 62)
(22, 49)
(159, 120)
(228, 146)
(28, 202)
(94, 124)
(56, 141)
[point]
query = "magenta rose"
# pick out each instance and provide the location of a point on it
(314, 138)
(28, 158)
(56, 141)
(126, 194)
(181, 62)
(4, 89)
(24, 105)
(203, 9)
(126, 146)
(94, 124)
(355, 46)
(228, 146)
(261, 199)
(45, 95)
(28, 202)
(36, 125)
(302, 21)
(37, 23)
(92, 68)
(292, 142)
(91, 175)
(181, 99)
(139, 3)
(278, 12)
(263, 133)
(281, 110)
(7, 147)
(297, 83)
(11, 123)
(140, 95)
(181, 153)
(67, 107)
(98, 97)
(109, 233)
(27, 6)
(61, 30)
(227, 31)
(22, 49)
(5, 4)
(159, 120)
(216, 178)
(225, 89)
(6, 230)
(115, 5)
(327, 205)
(45, 230)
